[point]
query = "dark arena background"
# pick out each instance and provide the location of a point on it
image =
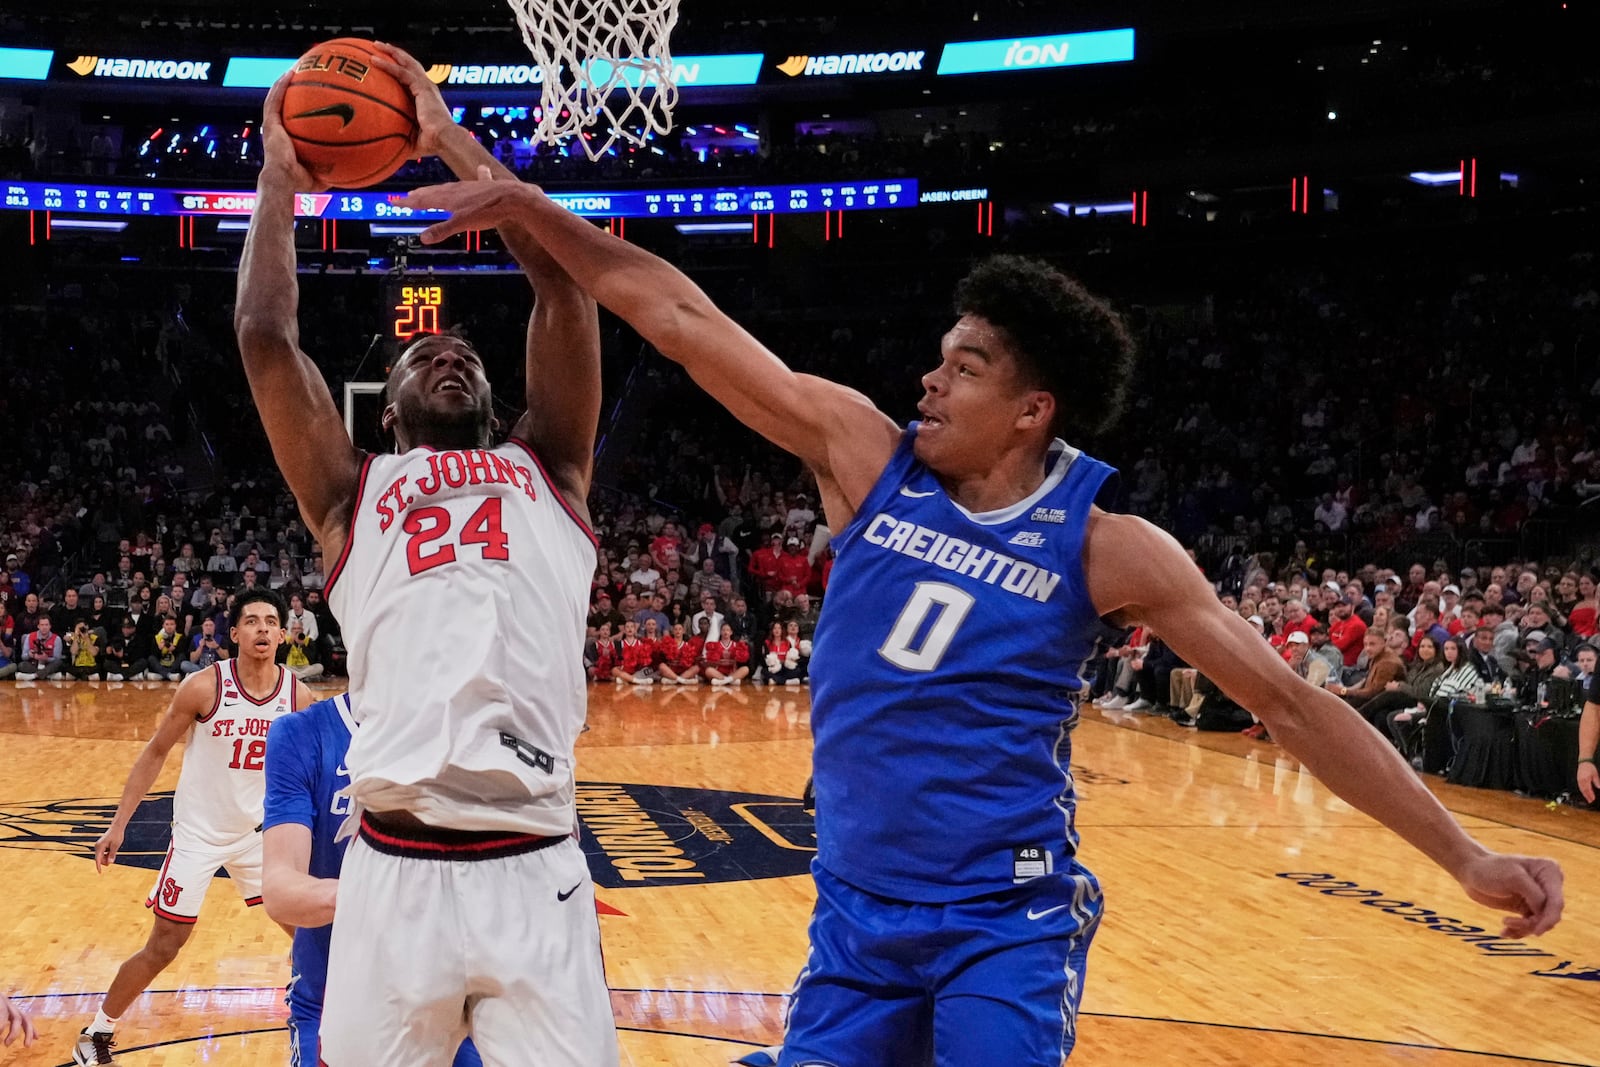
(1355, 244)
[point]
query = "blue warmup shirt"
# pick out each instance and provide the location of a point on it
(945, 678)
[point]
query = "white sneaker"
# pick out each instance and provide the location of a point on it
(1114, 702)
(114, 678)
(722, 680)
(792, 683)
(92, 1049)
(1140, 705)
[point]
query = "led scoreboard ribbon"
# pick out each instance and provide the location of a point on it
(130, 201)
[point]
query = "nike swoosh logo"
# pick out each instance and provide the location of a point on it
(1041, 914)
(563, 896)
(913, 494)
(345, 112)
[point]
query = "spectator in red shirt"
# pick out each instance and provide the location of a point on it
(764, 565)
(680, 658)
(727, 661)
(1345, 630)
(794, 568)
(638, 657)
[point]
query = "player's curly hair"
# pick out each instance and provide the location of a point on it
(1071, 343)
(258, 596)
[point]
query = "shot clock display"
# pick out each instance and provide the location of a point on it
(412, 306)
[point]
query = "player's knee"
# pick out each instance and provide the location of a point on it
(167, 940)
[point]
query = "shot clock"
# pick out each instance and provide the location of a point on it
(413, 306)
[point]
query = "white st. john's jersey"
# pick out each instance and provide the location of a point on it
(461, 593)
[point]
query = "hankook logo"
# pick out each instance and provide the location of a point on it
(148, 69)
(852, 63)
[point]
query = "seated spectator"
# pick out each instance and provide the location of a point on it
(708, 614)
(101, 619)
(298, 612)
(1545, 659)
(183, 563)
(726, 661)
(127, 653)
(1536, 619)
(28, 618)
(67, 614)
(221, 561)
(83, 653)
(1583, 618)
(168, 651)
(745, 626)
(1346, 631)
(1398, 640)
(1416, 688)
(313, 576)
(1120, 677)
(600, 653)
(282, 572)
(605, 614)
(680, 657)
(1459, 680)
(205, 648)
(706, 580)
(21, 584)
(43, 654)
(653, 613)
(94, 587)
(645, 573)
(638, 657)
(782, 657)
(1383, 667)
(806, 613)
(8, 647)
(1313, 668)
(301, 651)
(794, 568)
(1493, 667)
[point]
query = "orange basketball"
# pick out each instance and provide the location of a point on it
(352, 124)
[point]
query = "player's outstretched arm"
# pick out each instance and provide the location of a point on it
(305, 429)
(192, 700)
(563, 349)
(1137, 572)
(837, 432)
(1588, 742)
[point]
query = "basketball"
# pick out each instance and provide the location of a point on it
(351, 123)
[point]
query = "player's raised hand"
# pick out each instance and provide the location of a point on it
(15, 1023)
(483, 204)
(106, 848)
(433, 114)
(277, 149)
(1529, 887)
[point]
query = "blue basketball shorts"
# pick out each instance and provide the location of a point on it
(991, 980)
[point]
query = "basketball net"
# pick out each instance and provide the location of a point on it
(606, 68)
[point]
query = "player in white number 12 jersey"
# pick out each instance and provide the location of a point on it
(222, 715)
(461, 583)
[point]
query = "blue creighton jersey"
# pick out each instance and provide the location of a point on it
(944, 684)
(305, 772)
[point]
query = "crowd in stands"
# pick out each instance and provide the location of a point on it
(1397, 648)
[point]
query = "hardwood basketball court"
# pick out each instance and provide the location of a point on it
(1241, 922)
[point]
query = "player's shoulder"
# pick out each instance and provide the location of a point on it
(1129, 561)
